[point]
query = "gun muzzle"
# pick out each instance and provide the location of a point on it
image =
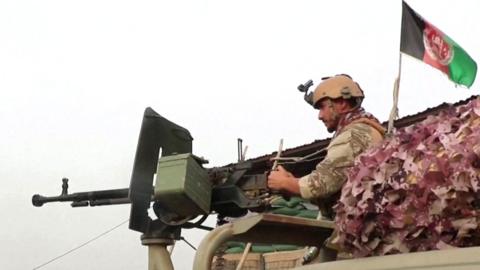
(38, 200)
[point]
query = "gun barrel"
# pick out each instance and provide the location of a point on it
(110, 201)
(99, 197)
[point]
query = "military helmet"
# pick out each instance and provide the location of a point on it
(338, 86)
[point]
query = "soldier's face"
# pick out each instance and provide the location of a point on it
(328, 113)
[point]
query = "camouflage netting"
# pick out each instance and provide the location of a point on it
(418, 191)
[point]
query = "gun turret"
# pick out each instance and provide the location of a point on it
(183, 188)
(169, 178)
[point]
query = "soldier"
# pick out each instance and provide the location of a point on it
(338, 100)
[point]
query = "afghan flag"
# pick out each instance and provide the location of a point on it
(422, 40)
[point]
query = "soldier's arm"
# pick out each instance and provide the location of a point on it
(330, 174)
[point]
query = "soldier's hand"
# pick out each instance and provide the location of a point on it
(282, 179)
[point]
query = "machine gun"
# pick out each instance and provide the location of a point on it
(237, 193)
(183, 188)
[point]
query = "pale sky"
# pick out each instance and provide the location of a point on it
(75, 77)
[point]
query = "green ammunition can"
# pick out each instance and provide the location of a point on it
(182, 185)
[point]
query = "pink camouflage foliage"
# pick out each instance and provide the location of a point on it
(419, 190)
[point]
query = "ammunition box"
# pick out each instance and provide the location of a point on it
(182, 185)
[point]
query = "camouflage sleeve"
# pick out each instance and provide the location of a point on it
(330, 174)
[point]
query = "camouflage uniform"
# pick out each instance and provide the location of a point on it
(359, 132)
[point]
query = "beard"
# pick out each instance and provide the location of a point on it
(332, 124)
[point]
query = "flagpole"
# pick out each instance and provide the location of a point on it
(396, 88)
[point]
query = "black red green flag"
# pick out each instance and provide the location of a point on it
(422, 40)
